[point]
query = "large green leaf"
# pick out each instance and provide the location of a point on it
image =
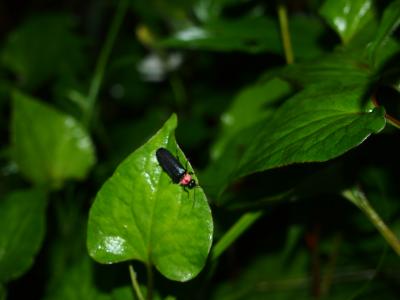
(43, 47)
(140, 214)
(22, 223)
(347, 17)
(317, 124)
(48, 146)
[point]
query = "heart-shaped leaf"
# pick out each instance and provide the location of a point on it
(22, 219)
(140, 214)
(48, 146)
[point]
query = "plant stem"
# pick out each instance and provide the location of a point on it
(102, 62)
(285, 34)
(357, 197)
(234, 232)
(135, 284)
(150, 281)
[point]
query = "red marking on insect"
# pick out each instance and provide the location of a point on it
(186, 179)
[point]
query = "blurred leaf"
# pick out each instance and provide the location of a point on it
(337, 68)
(49, 146)
(43, 47)
(139, 214)
(390, 21)
(3, 292)
(250, 34)
(22, 219)
(347, 17)
(246, 34)
(317, 124)
(123, 293)
(77, 283)
(206, 10)
(251, 105)
(275, 276)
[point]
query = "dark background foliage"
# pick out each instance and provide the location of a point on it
(283, 146)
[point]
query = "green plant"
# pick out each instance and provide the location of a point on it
(305, 98)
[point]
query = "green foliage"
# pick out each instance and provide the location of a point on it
(285, 111)
(22, 219)
(347, 17)
(139, 214)
(48, 146)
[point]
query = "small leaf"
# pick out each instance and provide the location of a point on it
(22, 219)
(347, 17)
(140, 214)
(49, 146)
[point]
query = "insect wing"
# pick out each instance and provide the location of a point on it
(170, 164)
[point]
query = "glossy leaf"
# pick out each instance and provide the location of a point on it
(48, 146)
(317, 124)
(22, 219)
(347, 17)
(140, 214)
(42, 47)
(390, 21)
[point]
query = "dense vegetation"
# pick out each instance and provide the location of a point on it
(286, 112)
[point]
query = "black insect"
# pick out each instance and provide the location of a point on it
(171, 165)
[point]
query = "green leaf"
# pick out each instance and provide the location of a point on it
(140, 214)
(76, 283)
(42, 47)
(337, 68)
(317, 124)
(22, 219)
(347, 17)
(274, 276)
(251, 105)
(48, 146)
(247, 34)
(250, 34)
(390, 21)
(3, 292)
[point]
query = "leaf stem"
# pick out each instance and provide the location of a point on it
(135, 284)
(244, 222)
(102, 61)
(285, 34)
(150, 281)
(357, 197)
